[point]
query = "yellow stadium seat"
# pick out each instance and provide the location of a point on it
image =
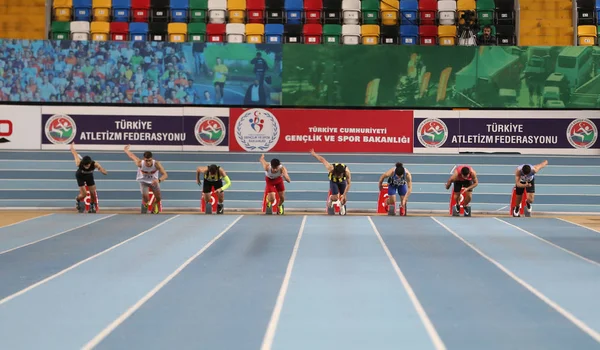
(389, 12)
(255, 33)
(99, 31)
(464, 5)
(237, 11)
(586, 35)
(447, 35)
(101, 10)
(62, 10)
(177, 32)
(370, 34)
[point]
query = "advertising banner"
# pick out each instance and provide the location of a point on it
(340, 131)
(19, 127)
(110, 128)
(536, 132)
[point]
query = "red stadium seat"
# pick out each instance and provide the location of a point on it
(119, 31)
(313, 10)
(256, 11)
(428, 35)
(427, 11)
(215, 32)
(312, 33)
(140, 10)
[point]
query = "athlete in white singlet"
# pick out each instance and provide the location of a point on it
(275, 172)
(525, 179)
(149, 176)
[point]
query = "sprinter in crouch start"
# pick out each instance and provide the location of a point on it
(85, 177)
(148, 177)
(339, 182)
(275, 173)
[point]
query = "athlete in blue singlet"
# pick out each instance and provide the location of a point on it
(399, 181)
(525, 179)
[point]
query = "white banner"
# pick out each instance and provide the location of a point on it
(20, 127)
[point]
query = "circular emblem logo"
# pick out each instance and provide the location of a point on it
(432, 133)
(60, 129)
(210, 131)
(582, 133)
(257, 130)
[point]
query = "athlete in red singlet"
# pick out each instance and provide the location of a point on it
(464, 177)
(274, 175)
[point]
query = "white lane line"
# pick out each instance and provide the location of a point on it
(580, 225)
(56, 234)
(22, 221)
(429, 327)
(274, 321)
(569, 316)
(124, 316)
(60, 273)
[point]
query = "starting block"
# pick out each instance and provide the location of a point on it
(383, 207)
(151, 203)
(336, 206)
(523, 207)
(88, 201)
(273, 207)
(214, 201)
(453, 210)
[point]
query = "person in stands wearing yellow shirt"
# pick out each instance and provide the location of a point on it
(220, 72)
(339, 182)
(213, 176)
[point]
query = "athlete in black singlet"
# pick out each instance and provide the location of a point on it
(85, 177)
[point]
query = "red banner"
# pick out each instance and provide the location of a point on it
(325, 130)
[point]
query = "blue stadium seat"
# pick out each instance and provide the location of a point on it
(138, 31)
(408, 11)
(293, 11)
(273, 33)
(121, 10)
(82, 10)
(409, 35)
(179, 10)
(598, 8)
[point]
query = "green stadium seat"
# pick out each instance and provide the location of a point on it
(197, 32)
(370, 11)
(198, 10)
(61, 30)
(485, 11)
(332, 33)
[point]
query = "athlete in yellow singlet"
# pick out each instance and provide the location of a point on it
(340, 180)
(213, 176)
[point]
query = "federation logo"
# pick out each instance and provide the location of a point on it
(257, 130)
(210, 131)
(582, 133)
(432, 133)
(60, 129)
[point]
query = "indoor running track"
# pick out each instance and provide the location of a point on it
(298, 282)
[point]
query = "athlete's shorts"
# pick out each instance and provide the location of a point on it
(519, 190)
(275, 185)
(401, 190)
(458, 185)
(338, 187)
(146, 187)
(85, 179)
(208, 186)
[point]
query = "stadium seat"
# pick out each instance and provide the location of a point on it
(61, 30)
(462, 6)
(121, 10)
(255, 33)
(138, 31)
(587, 35)
(100, 31)
(237, 11)
(350, 34)
(447, 35)
(256, 11)
(235, 32)
(389, 12)
(140, 10)
(159, 11)
(63, 10)
(370, 11)
(370, 34)
(313, 10)
(177, 32)
(312, 33)
(197, 32)
(389, 35)
(119, 31)
(82, 10)
(485, 12)
(101, 10)
(158, 31)
(198, 9)
(332, 33)
(293, 11)
(427, 11)
(586, 12)
(80, 30)
(505, 35)
(428, 35)
(274, 33)
(179, 11)
(350, 11)
(409, 35)
(215, 32)
(292, 33)
(275, 12)
(216, 11)
(408, 12)
(332, 11)
(505, 12)
(597, 8)
(446, 12)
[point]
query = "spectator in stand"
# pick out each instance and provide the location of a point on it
(486, 39)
